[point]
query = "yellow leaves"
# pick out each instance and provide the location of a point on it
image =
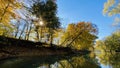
(2, 6)
(107, 5)
(7, 10)
(17, 5)
(116, 21)
(1, 32)
(1, 12)
(111, 7)
(2, 29)
(83, 40)
(5, 20)
(70, 27)
(116, 10)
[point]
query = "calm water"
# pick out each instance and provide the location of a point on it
(92, 60)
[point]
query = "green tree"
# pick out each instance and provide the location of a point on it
(110, 59)
(110, 43)
(46, 12)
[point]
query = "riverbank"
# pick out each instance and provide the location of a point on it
(11, 51)
(11, 47)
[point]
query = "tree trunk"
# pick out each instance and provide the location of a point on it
(51, 36)
(40, 33)
(75, 38)
(16, 33)
(37, 33)
(51, 39)
(29, 32)
(22, 31)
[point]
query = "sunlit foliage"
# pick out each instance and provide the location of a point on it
(112, 7)
(7, 10)
(113, 42)
(83, 33)
(46, 12)
(110, 43)
(100, 46)
(7, 13)
(111, 59)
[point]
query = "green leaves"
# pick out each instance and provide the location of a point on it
(111, 42)
(46, 11)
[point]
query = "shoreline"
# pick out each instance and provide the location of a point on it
(11, 51)
(11, 47)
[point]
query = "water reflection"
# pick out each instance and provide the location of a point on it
(101, 60)
(110, 60)
(71, 61)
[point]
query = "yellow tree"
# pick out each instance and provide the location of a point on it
(112, 7)
(7, 12)
(80, 35)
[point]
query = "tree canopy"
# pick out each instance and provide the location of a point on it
(7, 10)
(110, 43)
(46, 12)
(84, 34)
(112, 7)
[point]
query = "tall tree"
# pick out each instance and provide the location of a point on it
(81, 35)
(46, 12)
(7, 13)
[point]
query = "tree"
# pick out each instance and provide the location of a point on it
(82, 35)
(46, 11)
(7, 10)
(100, 46)
(5, 31)
(7, 13)
(109, 59)
(112, 7)
(110, 43)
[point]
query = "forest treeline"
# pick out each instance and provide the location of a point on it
(110, 43)
(37, 21)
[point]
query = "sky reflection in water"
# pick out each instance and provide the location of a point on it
(70, 61)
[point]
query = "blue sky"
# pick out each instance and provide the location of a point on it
(73, 11)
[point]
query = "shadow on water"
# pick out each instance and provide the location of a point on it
(63, 61)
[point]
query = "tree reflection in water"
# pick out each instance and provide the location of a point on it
(110, 59)
(71, 61)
